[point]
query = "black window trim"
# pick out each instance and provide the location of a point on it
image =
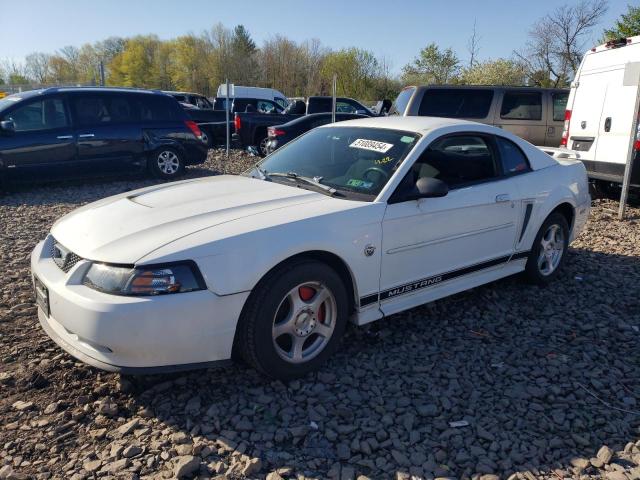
(41, 98)
(491, 141)
(535, 92)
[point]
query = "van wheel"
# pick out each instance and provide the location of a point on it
(549, 250)
(166, 163)
(293, 320)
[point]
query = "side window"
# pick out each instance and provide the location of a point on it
(282, 102)
(456, 103)
(91, 110)
(157, 108)
(522, 106)
(344, 107)
(457, 160)
(123, 110)
(559, 105)
(265, 106)
(512, 158)
(47, 114)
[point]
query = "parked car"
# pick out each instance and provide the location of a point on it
(213, 121)
(282, 134)
(535, 114)
(74, 131)
(240, 91)
(353, 221)
(600, 122)
(251, 128)
(195, 99)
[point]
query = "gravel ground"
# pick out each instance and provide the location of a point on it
(542, 383)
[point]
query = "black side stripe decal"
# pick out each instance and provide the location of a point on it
(437, 279)
(525, 222)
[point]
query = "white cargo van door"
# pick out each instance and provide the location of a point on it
(585, 116)
(616, 120)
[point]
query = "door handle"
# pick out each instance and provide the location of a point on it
(86, 135)
(503, 197)
(607, 124)
(551, 130)
(64, 137)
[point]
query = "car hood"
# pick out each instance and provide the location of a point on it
(124, 228)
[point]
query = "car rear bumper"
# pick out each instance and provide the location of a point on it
(195, 153)
(134, 334)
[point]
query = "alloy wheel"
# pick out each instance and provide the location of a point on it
(168, 162)
(304, 322)
(552, 245)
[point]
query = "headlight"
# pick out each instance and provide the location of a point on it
(144, 280)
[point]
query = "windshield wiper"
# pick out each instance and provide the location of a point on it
(314, 182)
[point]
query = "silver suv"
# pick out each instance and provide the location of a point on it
(535, 114)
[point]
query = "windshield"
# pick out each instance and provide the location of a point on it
(8, 101)
(356, 161)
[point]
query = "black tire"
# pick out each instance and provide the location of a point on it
(534, 272)
(261, 143)
(207, 138)
(255, 340)
(166, 163)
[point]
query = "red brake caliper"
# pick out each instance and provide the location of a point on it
(306, 293)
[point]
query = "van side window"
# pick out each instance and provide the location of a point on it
(512, 158)
(46, 114)
(157, 108)
(522, 106)
(457, 160)
(91, 109)
(559, 105)
(456, 103)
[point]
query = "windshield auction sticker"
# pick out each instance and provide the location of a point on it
(371, 145)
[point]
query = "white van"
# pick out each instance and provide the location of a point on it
(600, 123)
(239, 91)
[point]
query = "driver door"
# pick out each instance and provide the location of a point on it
(443, 243)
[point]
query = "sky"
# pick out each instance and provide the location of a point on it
(396, 30)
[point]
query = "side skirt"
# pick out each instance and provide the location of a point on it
(435, 291)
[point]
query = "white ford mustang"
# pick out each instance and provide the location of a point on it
(352, 221)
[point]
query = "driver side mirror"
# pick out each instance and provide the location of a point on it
(8, 126)
(431, 187)
(427, 187)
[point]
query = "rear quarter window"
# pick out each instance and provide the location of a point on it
(401, 102)
(559, 105)
(158, 108)
(456, 103)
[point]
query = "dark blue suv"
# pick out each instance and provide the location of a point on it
(73, 131)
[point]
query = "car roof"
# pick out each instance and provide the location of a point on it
(44, 91)
(411, 124)
(175, 92)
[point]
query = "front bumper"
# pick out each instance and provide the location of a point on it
(134, 334)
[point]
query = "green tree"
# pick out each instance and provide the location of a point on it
(432, 66)
(356, 69)
(495, 72)
(628, 25)
(135, 65)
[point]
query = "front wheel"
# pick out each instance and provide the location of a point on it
(294, 320)
(166, 163)
(549, 250)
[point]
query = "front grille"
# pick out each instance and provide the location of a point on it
(63, 257)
